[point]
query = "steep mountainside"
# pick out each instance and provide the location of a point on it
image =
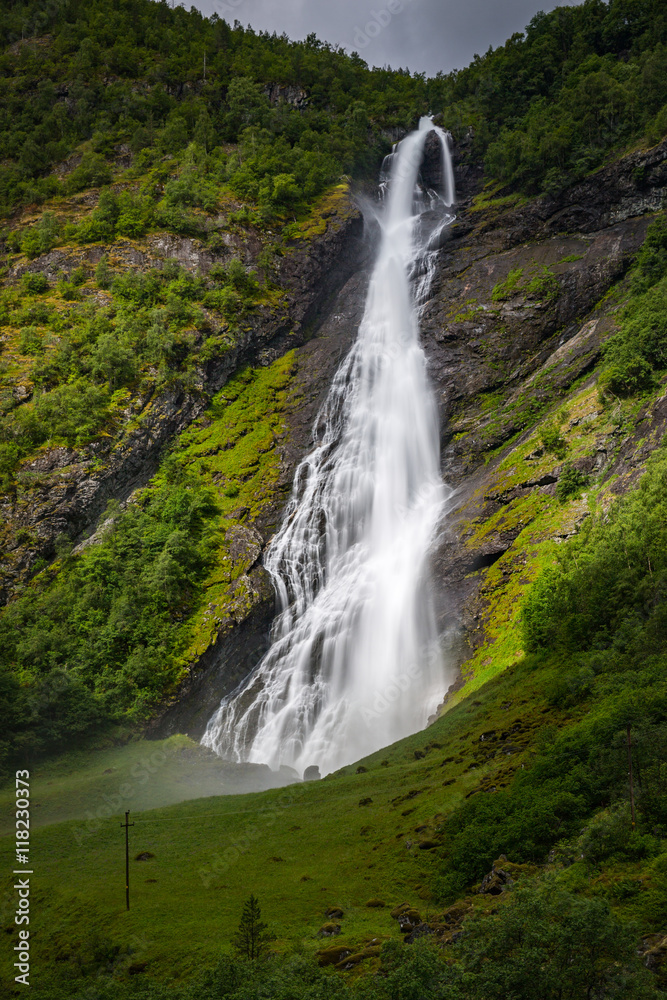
(185, 261)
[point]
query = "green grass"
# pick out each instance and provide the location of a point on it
(89, 785)
(210, 853)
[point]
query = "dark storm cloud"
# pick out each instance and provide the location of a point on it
(427, 35)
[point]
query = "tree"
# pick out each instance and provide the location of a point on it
(252, 938)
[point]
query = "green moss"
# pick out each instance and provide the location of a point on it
(234, 448)
(507, 288)
(334, 206)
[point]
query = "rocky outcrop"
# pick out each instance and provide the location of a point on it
(64, 492)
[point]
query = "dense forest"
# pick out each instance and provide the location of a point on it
(543, 110)
(122, 120)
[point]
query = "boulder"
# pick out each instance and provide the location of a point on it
(421, 930)
(409, 920)
(334, 913)
(496, 882)
(333, 954)
(329, 930)
(375, 902)
(312, 773)
(656, 954)
(350, 961)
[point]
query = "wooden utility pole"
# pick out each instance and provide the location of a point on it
(127, 826)
(632, 791)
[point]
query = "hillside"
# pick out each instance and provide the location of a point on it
(185, 258)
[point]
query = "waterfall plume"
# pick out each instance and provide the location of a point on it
(354, 662)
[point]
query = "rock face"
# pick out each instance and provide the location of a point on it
(500, 347)
(64, 492)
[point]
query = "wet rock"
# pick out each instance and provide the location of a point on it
(312, 773)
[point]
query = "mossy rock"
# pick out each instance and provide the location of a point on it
(427, 845)
(333, 955)
(376, 903)
(334, 913)
(360, 956)
(366, 802)
(401, 908)
(454, 915)
(329, 930)
(408, 920)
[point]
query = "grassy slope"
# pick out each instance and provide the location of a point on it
(301, 849)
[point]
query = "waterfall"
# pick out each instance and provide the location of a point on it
(354, 662)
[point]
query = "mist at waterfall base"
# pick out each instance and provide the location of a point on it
(355, 662)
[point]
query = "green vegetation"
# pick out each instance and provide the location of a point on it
(104, 635)
(570, 483)
(202, 82)
(251, 940)
(597, 619)
(552, 438)
(88, 359)
(544, 286)
(507, 288)
(548, 106)
(528, 774)
(98, 641)
(637, 353)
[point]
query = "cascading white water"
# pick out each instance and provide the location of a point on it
(354, 663)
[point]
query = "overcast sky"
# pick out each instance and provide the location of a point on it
(428, 35)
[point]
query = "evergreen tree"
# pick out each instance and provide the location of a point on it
(252, 938)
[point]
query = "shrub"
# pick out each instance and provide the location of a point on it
(570, 483)
(651, 262)
(93, 171)
(544, 286)
(552, 440)
(35, 283)
(31, 340)
(41, 238)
